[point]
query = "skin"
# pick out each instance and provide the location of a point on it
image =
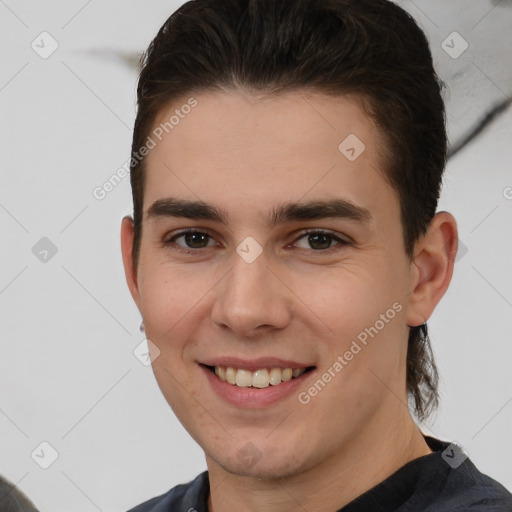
(247, 155)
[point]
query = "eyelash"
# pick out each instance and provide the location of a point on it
(341, 242)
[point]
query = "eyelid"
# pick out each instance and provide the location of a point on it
(340, 239)
(334, 234)
(203, 231)
(186, 231)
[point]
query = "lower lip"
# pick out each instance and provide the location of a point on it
(254, 398)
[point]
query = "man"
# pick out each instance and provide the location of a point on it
(285, 254)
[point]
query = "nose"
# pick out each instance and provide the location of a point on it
(253, 298)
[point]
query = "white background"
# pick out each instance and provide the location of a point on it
(68, 375)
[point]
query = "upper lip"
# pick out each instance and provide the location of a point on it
(254, 364)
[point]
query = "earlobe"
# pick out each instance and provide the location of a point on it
(432, 271)
(127, 235)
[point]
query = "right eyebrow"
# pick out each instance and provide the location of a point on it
(172, 207)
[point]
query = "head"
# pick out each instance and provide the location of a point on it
(247, 105)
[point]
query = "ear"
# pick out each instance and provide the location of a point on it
(432, 267)
(127, 235)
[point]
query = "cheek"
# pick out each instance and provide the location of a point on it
(348, 299)
(171, 300)
(363, 316)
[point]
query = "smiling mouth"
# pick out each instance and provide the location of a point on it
(260, 379)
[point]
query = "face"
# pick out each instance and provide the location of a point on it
(298, 263)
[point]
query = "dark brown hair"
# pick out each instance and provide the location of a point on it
(371, 48)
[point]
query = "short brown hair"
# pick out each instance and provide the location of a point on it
(371, 48)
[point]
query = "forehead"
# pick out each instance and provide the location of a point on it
(243, 151)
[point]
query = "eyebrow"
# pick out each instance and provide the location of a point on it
(312, 210)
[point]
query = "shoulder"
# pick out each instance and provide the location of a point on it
(477, 491)
(466, 489)
(188, 496)
(444, 481)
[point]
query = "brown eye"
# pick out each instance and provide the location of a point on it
(196, 240)
(320, 241)
(193, 240)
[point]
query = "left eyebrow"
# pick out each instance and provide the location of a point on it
(288, 212)
(314, 210)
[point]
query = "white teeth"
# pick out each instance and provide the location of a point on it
(258, 379)
(275, 376)
(230, 375)
(220, 372)
(243, 378)
(287, 374)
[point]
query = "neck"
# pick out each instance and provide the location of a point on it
(359, 465)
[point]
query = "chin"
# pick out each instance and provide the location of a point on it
(262, 472)
(271, 464)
